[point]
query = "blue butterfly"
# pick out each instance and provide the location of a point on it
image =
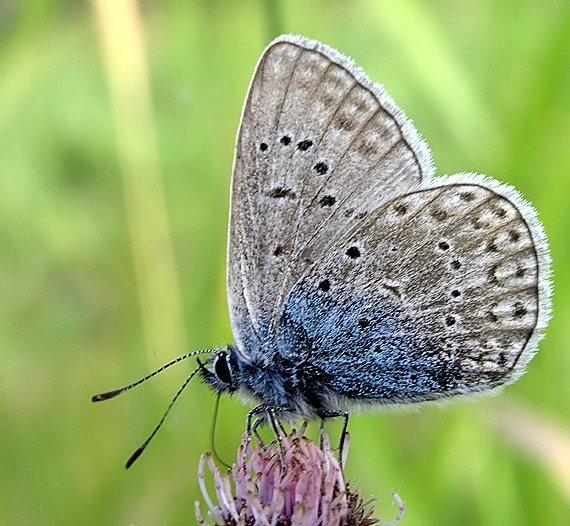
(355, 277)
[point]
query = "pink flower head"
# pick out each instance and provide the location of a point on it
(292, 482)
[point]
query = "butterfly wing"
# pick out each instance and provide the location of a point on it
(319, 148)
(439, 292)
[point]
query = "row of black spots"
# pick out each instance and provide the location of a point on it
(321, 167)
(454, 264)
(443, 246)
(286, 141)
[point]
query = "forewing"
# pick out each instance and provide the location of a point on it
(439, 292)
(319, 148)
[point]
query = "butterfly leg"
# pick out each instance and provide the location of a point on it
(269, 413)
(277, 429)
(258, 438)
(322, 434)
(343, 435)
(258, 415)
(254, 419)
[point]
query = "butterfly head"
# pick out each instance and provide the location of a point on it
(219, 371)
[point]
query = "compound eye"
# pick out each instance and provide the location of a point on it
(222, 369)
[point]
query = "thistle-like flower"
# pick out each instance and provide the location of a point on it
(291, 482)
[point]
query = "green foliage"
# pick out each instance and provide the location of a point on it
(487, 83)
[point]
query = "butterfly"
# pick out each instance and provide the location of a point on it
(354, 276)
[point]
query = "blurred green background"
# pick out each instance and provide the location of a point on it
(115, 164)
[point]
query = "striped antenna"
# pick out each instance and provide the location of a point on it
(116, 392)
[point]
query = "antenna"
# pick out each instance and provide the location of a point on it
(111, 394)
(116, 392)
(138, 452)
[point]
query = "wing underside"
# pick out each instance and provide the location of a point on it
(435, 293)
(319, 149)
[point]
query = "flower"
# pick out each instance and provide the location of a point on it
(291, 482)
